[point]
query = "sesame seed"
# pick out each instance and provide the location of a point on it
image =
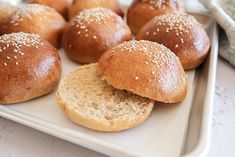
(179, 22)
(153, 72)
(157, 53)
(29, 10)
(82, 27)
(16, 41)
(182, 40)
(176, 46)
(136, 78)
(147, 33)
(159, 3)
(92, 16)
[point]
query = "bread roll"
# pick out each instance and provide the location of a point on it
(79, 5)
(29, 67)
(145, 68)
(62, 6)
(92, 32)
(181, 33)
(141, 11)
(6, 10)
(37, 19)
(91, 102)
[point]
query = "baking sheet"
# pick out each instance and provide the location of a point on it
(165, 133)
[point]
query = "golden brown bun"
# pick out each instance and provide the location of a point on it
(145, 68)
(182, 34)
(29, 67)
(37, 19)
(92, 32)
(141, 11)
(62, 6)
(6, 10)
(79, 5)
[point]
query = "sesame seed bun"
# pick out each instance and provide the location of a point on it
(182, 34)
(37, 19)
(142, 11)
(92, 32)
(145, 68)
(62, 6)
(80, 5)
(29, 67)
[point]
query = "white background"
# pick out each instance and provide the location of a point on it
(20, 141)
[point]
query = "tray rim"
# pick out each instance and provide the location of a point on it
(202, 147)
(113, 149)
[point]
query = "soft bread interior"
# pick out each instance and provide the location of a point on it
(93, 103)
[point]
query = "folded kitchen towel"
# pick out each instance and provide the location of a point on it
(225, 49)
(224, 12)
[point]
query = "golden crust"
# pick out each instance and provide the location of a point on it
(182, 34)
(79, 5)
(146, 69)
(93, 32)
(28, 69)
(37, 19)
(142, 11)
(62, 6)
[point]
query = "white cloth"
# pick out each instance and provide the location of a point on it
(224, 12)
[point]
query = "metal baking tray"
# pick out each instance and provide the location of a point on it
(171, 130)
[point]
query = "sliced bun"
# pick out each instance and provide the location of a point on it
(29, 67)
(145, 68)
(182, 34)
(92, 32)
(142, 11)
(91, 102)
(80, 5)
(37, 19)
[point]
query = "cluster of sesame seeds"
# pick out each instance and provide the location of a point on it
(27, 11)
(98, 16)
(17, 41)
(159, 4)
(178, 23)
(158, 54)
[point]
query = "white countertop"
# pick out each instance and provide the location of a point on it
(20, 141)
